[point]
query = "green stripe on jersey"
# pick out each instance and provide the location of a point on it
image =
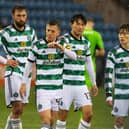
(48, 87)
(18, 44)
(74, 70)
(118, 61)
(49, 64)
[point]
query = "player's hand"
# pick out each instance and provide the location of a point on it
(52, 44)
(56, 45)
(109, 101)
(12, 63)
(94, 90)
(23, 90)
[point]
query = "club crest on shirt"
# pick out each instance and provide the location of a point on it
(23, 44)
(40, 106)
(51, 56)
(79, 52)
(15, 94)
(127, 64)
(115, 109)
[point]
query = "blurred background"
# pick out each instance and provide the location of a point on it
(108, 15)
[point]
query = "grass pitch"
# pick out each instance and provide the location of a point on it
(102, 118)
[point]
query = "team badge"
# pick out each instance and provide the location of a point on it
(79, 52)
(40, 106)
(115, 109)
(23, 44)
(127, 64)
(51, 56)
(15, 94)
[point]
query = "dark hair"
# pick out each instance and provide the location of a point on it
(124, 27)
(54, 22)
(18, 7)
(76, 17)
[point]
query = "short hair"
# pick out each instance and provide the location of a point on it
(18, 7)
(91, 19)
(76, 17)
(124, 27)
(54, 22)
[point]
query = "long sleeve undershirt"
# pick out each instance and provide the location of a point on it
(90, 69)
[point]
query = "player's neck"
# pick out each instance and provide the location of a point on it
(76, 36)
(19, 28)
(126, 46)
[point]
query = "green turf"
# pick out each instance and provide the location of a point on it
(102, 118)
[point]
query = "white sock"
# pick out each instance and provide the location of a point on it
(115, 127)
(84, 125)
(16, 123)
(60, 124)
(45, 126)
(8, 123)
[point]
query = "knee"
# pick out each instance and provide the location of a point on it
(119, 122)
(62, 115)
(17, 110)
(88, 116)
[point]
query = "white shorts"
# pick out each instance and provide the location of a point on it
(47, 99)
(12, 86)
(77, 94)
(120, 108)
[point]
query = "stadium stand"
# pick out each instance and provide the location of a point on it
(42, 10)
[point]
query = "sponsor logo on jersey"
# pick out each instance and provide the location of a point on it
(68, 47)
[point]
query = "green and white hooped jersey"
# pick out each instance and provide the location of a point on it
(17, 44)
(49, 66)
(74, 70)
(117, 67)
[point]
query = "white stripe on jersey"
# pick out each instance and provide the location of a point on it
(74, 67)
(122, 81)
(49, 72)
(121, 91)
(73, 77)
(49, 82)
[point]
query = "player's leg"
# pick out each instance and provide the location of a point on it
(61, 122)
(44, 107)
(8, 123)
(119, 123)
(45, 117)
(7, 98)
(55, 106)
(120, 111)
(88, 80)
(13, 98)
(64, 106)
(86, 117)
(83, 102)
